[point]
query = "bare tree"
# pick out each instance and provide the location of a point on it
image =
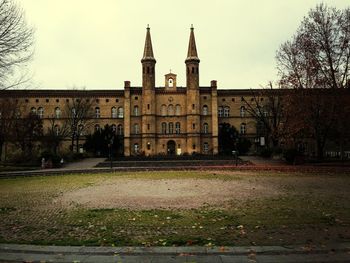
(266, 106)
(16, 41)
(56, 133)
(9, 109)
(317, 58)
(27, 131)
(79, 116)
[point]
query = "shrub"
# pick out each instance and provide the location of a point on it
(266, 153)
(290, 155)
(243, 146)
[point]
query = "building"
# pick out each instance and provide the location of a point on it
(155, 120)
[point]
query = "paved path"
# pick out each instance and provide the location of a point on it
(296, 254)
(260, 161)
(87, 163)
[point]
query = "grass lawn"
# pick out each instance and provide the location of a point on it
(177, 208)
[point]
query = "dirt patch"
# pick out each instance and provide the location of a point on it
(166, 193)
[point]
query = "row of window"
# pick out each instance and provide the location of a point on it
(225, 111)
(137, 147)
(165, 111)
(167, 128)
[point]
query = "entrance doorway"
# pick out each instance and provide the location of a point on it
(171, 147)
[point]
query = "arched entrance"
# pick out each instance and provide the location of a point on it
(171, 147)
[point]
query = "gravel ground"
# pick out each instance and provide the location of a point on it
(165, 193)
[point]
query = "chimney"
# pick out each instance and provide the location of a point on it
(213, 83)
(127, 84)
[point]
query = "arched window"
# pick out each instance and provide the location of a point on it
(136, 148)
(57, 130)
(171, 83)
(178, 110)
(120, 129)
(242, 111)
(170, 110)
(226, 111)
(81, 129)
(205, 110)
(136, 128)
(206, 147)
(97, 128)
(136, 110)
(114, 128)
(220, 111)
(171, 127)
(57, 112)
(114, 112)
(120, 112)
(177, 128)
(41, 112)
(163, 110)
(205, 128)
(243, 128)
(74, 112)
(163, 127)
(97, 112)
(33, 110)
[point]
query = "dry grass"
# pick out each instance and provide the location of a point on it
(176, 208)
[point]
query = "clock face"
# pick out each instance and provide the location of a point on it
(170, 99)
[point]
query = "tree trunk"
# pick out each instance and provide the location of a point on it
(320, 147)
(1, 145)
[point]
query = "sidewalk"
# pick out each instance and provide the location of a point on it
(31, 253)
(260, 161)
(87, 163)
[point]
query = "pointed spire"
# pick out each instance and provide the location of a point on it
(148, 52)
(192, 50)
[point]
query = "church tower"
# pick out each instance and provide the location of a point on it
(192, 98)
(148, 126)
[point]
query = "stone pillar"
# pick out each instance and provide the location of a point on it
(127, 113)
(214, 116)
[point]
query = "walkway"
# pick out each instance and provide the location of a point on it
(296, 254)
(87, 163)
(260, 161)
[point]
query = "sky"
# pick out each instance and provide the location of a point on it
(99, 44)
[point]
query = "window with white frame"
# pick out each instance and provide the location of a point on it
(57, 130)
(41, 112)
(33, 110)
(205, 128)
(57, 113)
(120, 129)
(97, 128)
(171, 128)
(170, 110)
(97, 112)
(136, 148)
(136, 128)
(243, 128)
(114, 128)
(242, 111)
(114, 112)
(163, 127)
(226, 111)
(220, 111)
(81, 129)
(136, 110)
(206, 147)
(120, 112)
(205, 110)
(177, 128)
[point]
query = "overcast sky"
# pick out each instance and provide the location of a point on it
(99, 44)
